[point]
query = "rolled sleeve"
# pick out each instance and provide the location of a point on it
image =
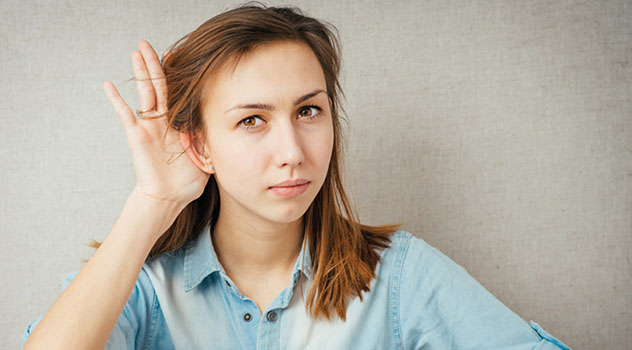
(547, 341)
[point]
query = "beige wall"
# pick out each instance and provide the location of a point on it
(499, 131)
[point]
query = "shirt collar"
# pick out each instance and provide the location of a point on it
(200, 259)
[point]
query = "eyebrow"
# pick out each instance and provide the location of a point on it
(270, 107)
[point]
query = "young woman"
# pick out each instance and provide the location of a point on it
(248, 240)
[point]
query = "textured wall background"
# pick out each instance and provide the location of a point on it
(499, 131)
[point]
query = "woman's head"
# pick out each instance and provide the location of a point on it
(267, 56)
(286, 60)
(266, 121)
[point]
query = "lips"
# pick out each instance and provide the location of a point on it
(291, 183)
(290, 191)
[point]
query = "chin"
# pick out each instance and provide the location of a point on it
(288, 215)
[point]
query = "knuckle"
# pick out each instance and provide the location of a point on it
(124, 111)
(146, 88)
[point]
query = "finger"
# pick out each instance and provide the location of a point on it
(120, 107)
(156, 73)
(143, 84)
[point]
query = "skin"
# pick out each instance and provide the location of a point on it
(258, 234)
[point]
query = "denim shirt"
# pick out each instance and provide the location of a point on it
(421, 299)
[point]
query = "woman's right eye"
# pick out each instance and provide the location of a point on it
(250, 122)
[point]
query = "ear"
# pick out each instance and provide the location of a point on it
(197, 153)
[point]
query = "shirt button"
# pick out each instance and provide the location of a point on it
(272, 316)
(247, 317)
(228, 284)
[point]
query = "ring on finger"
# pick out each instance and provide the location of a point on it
(139, 113)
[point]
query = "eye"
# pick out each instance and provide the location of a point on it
(312, 112)
(250, 122)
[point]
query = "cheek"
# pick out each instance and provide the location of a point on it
(237, 160)
(322, 147)
(242, 161)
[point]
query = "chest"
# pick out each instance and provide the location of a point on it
(262, 294)
(215, 315)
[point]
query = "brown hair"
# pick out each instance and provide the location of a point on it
(343, 251)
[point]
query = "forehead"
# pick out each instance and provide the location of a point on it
(273, 72)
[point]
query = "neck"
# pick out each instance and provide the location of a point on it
(266, 249)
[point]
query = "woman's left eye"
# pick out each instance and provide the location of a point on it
(314, 112)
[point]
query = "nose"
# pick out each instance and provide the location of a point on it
(289, 146)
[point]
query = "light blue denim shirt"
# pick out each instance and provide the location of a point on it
(421, 300)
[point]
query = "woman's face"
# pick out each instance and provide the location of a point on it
(267, 122)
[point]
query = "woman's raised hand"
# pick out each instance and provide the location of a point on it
(163, 172)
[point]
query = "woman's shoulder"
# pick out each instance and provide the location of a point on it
(134, 321)
(402, 241)
(409, 249)
(415, 263)
(438, 298)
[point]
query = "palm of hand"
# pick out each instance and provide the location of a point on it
(162, 170)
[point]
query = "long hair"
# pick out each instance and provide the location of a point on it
(344, 252)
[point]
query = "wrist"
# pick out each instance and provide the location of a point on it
(154, 202)
(157, 215)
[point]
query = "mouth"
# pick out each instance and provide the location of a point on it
(291, 183)
(288, 191)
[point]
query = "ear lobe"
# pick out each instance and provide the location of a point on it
(199, 158)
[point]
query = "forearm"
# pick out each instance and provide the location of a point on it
(85, 314)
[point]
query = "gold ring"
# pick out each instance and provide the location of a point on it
(139, 112)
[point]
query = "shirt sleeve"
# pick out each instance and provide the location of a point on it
(443, 307)
(132, 330)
